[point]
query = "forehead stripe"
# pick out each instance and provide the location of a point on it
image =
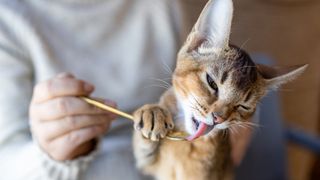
(244, 73)
(248, 96)
(224, 77)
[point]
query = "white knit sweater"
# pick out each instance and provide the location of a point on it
(120, 46)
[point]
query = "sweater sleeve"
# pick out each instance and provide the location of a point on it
(20, 156)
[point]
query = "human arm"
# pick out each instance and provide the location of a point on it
(20, 156)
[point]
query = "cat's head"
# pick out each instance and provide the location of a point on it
(216, 83)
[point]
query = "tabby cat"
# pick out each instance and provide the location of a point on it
(216, 87)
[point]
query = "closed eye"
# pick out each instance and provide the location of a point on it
(243, 107)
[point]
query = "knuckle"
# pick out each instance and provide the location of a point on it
(62, 105)
(93, 109)
(65, 75)
(73, 138)
(79, 85)
(35, 114)
(71, 122)
(48, 87)
(41, 86)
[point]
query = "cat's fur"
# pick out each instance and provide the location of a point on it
(240, 84)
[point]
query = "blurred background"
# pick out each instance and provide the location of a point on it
(289, 32)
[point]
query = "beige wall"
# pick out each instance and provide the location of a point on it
(289, 33)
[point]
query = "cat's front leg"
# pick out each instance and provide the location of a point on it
(151, 122)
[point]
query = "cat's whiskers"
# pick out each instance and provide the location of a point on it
(244, 43)
(162, 83)
(225, 134)
(193, 107)
(233, 131)
(161, 80)
(233, 128)
(236, 125)
(197, 108)
(157, 85)
(198, 105)
(166, 67)
(243, 127)
(251, 124)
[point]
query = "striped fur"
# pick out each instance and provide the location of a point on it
(229, 100)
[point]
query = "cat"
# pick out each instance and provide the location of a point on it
(216, 87)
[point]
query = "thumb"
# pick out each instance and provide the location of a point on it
(110, 103)
(106, 101)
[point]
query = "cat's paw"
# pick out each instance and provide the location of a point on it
(153, 121)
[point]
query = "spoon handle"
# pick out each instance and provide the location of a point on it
(176, 136)
(106, 107)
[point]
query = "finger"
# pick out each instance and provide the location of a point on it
(65, 75)
(62, 147)
(84, 148)
(111, 103)
(55, 129)
(59, 108)
(58, 87)
(108, 102)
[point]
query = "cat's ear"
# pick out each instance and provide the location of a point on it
(275, 76)
(212, 30)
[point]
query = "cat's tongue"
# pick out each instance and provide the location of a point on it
(202, 128)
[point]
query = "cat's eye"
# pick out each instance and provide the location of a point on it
(211, 83)
(243, 107)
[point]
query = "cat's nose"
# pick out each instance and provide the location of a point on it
(218, 117)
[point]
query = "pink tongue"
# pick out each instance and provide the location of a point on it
(202, 128)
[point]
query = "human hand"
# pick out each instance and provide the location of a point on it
(64, 125)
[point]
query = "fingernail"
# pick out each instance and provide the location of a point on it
(65, 75)
(88, 87)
